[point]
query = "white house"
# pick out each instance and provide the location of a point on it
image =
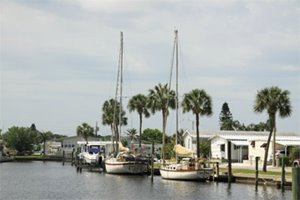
(52, 147)
(70, 143)
(245, 145)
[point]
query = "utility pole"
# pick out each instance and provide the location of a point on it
(96, 129)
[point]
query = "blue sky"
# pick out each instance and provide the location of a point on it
(59, 59)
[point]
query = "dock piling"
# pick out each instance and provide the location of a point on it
(152, 164)
(63, 158)
(72, 158)
(296, 183)
(229, 161)
(256, 172)
(283, 174)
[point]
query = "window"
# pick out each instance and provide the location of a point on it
(222, 147)
(253, 144)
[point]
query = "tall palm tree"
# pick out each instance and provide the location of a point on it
(273, 100)
(111, 112)
(200, 103)
(161, 98)
(139, 103)
(85, 131)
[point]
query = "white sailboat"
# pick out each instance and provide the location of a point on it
(188, 168)
(125, 162)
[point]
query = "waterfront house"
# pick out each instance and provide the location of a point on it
(70, 143)
(52, 147)
(245, 145)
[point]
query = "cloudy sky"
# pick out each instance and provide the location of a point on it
(59, 58)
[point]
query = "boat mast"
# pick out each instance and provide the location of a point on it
(117, 132)
(121, 88)
(176, 98)
(176, 53)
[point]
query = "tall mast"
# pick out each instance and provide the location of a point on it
(176, 63)
(119, 81)
(121, 86)
(176, 54)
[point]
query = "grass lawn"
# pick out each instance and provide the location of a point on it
(251, 171)
(37, 157)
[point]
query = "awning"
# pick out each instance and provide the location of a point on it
(240, 142)
(289, 142)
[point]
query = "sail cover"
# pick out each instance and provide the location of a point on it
(180, 150)
(122, 148)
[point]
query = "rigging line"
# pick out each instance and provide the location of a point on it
(117, 87)
(171, 72)
(172, 63)
(121, 87)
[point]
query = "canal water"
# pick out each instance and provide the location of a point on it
(50, 180)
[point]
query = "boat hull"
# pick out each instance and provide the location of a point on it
(199, 174)
(113, 166)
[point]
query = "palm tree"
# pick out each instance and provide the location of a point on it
(85, 131)
(111, 112)
(131, 133)
(139, 103)
(272, 100)
(161, 98)
(44, 136)
(200, 103)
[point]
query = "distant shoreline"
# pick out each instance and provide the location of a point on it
(30, 158)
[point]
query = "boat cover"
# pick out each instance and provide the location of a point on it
(122, 148)
(180, 150)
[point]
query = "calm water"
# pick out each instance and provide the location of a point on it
(51, 180)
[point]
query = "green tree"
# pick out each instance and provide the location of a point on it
(273, 100)
(200, 103)
(139, 103)
(295, 153)
(152, 135)
(131, 134)
(111, 116)
(21, 139)
(43, 137)
(225, 118)
(161, 98)
(180, 137)
(85, 131)
(205, 148)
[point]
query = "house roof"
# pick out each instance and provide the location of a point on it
(281, 137)
(79, 138)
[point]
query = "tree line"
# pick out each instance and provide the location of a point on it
(161, 98)
(25, 140)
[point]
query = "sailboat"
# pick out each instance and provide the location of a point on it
(189, 168)
(125, 162)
